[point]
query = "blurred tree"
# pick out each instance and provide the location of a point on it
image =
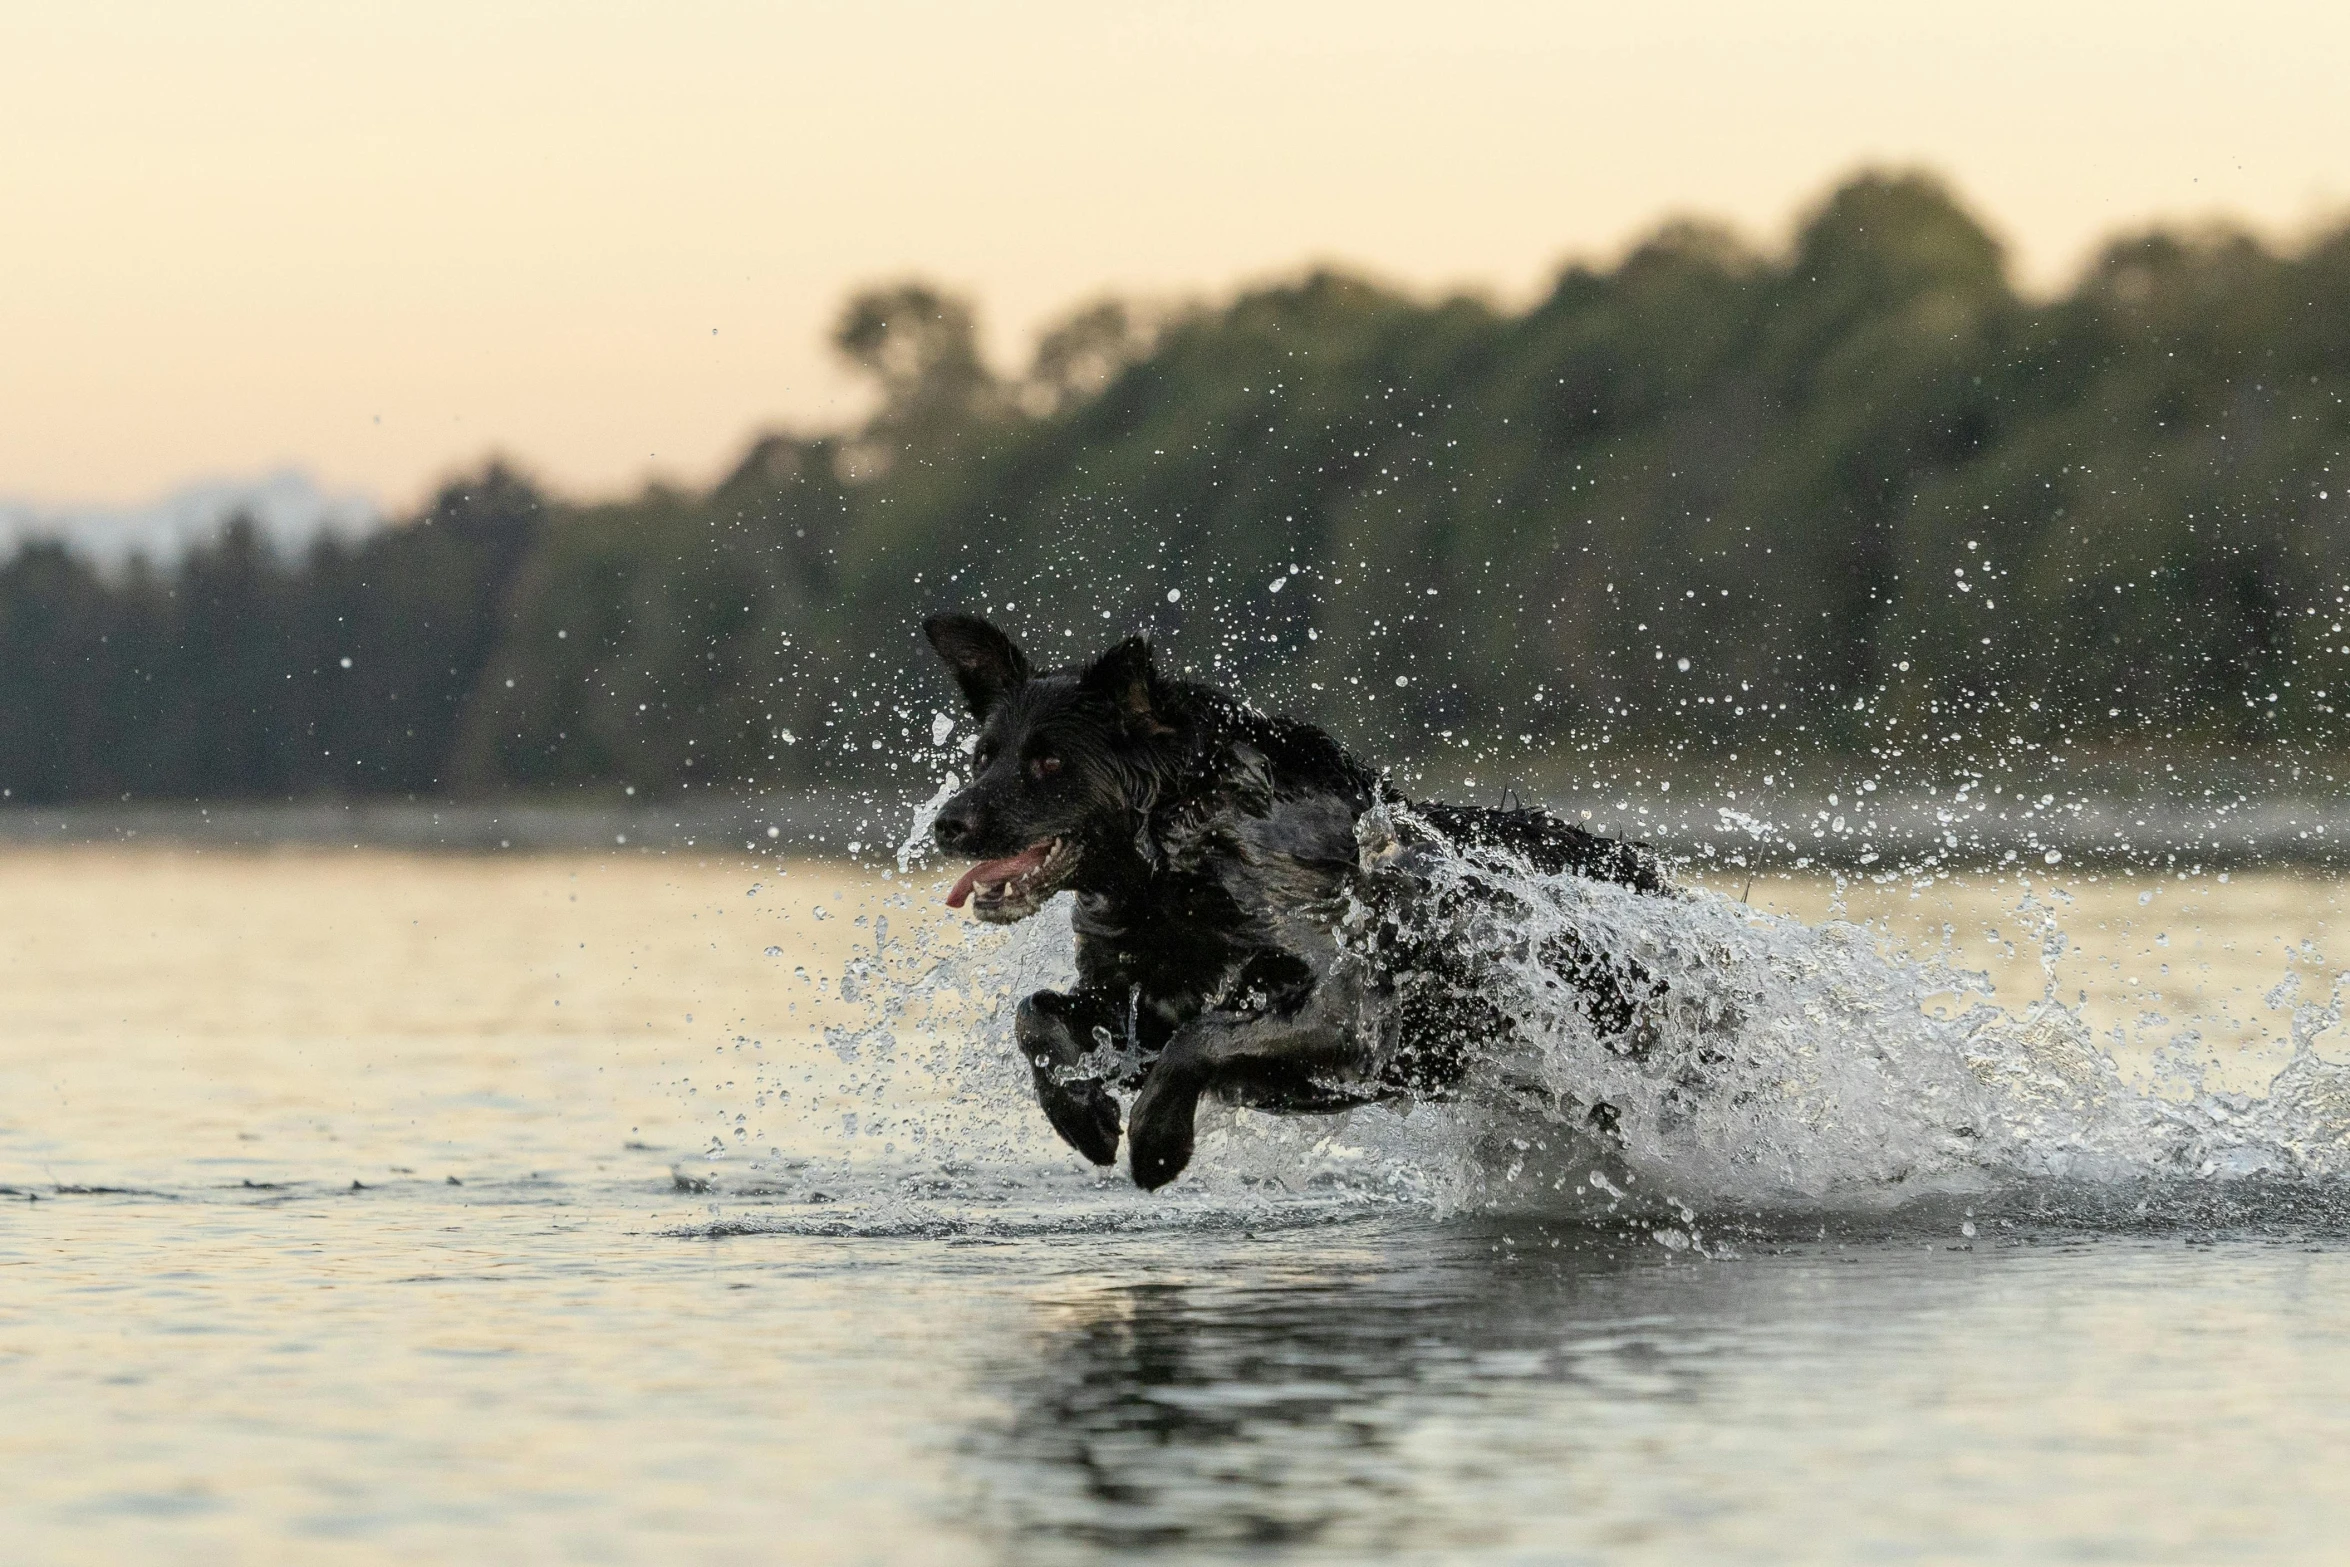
(1856, 497)
(921, 347)
(1080, 355)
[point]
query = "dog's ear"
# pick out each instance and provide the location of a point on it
(985, 662)
(1122, 677)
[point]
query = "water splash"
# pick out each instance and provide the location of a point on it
(1786, 1069)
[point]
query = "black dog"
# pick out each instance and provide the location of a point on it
(1249, 919)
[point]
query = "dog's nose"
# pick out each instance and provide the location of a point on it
(957, 825)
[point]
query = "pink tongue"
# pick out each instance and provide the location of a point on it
(1020, 864)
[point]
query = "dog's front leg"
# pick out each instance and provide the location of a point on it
(1055, 1031)
(1211, 1051)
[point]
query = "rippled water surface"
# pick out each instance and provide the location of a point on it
(375, 1207)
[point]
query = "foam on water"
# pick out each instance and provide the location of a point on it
(1789, 1070)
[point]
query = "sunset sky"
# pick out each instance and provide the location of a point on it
(378, 241)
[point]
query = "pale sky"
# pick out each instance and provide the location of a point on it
(379, 241)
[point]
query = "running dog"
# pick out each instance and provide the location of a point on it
(1254, 916)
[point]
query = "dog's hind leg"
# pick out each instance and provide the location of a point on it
(1620, 996)
(1055, 1031)
(1269, 1059)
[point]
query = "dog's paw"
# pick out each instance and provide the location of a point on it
(1086, 1117)
(1159, 1132)
(1154, 1167)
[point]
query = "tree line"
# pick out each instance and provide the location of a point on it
(1858, 495)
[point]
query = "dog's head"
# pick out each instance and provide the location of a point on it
(1053, 801)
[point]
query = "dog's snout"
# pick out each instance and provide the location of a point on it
(957, 826)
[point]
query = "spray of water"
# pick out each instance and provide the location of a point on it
(1790, 1065)
(1782, 1069)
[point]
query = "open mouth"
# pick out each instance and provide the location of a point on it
(1017, 886)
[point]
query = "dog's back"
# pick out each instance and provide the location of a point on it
(1551, 845)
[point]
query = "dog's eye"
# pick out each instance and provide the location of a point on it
(1044, 766)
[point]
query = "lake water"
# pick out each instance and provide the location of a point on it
(375, 1207)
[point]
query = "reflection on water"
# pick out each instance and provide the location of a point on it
(363, 1208)
(1475, 1394)
(1306, 1410)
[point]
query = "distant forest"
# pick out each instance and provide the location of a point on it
(1855, 497)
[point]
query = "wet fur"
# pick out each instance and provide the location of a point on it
(1252, 915)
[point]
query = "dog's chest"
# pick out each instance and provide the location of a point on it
(1244, 908)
